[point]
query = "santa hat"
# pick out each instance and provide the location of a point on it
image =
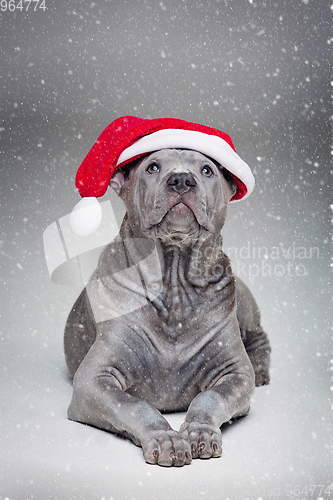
(129, 137)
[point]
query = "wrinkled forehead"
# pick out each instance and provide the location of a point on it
(178, 157)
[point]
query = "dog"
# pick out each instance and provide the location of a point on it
(175, 330)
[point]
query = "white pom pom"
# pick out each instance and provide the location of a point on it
(86, 216)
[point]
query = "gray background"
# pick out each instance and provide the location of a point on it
(259, 70)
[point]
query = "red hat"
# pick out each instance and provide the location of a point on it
(129, 137)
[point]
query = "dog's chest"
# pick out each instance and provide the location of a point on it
(178, 300)
(170, 350)
(169, 373)
(176, 305)
(183, 306)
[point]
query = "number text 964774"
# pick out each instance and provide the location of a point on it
(22, 5)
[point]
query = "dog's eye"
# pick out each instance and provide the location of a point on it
(207, 171)
(152, 168)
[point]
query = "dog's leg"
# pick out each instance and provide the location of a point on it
(258, 349)
(99, 399)
(229, 397)
(80, 333)
(254, 338)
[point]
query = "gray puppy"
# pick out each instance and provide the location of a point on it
(163, 325)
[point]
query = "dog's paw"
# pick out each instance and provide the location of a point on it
(261, 371)
(166, 448)
(205, 440)
(262, 375)
(260, 363)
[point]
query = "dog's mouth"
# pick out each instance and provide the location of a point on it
(178, 214)
(179, 225)
(179, 211)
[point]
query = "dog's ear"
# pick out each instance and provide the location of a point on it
(117, 181)
(230, 181)
(232, 186)
(123, 175)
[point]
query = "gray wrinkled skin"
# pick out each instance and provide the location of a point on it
(163, 325)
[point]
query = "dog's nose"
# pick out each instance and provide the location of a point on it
(181, 182)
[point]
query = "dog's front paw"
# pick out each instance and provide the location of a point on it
(166, 448)
(205, 440)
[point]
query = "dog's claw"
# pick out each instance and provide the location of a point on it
(166, 448)
(205, 440)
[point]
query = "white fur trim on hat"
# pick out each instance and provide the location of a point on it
(210, 145)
